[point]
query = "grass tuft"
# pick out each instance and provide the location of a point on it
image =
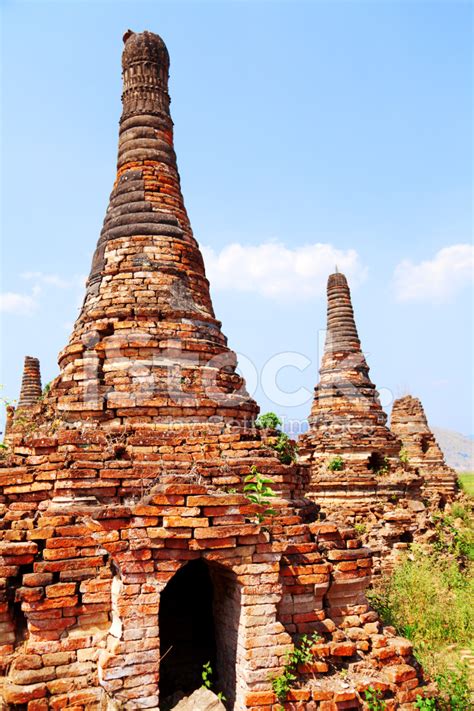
(466, 480)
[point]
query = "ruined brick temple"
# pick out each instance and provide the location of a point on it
(362, 472)
(129, 554)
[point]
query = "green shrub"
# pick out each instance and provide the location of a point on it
(336, 464)
(428, 599)
(283, 445)
(268, 421)
(286, 448)
(454, 689)
(450, 537)
(207, 683)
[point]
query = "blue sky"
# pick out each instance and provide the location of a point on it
(306, 132)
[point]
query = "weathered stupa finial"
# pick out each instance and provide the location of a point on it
(146, 344)
(31, 389)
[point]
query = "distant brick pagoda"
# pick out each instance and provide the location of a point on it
(346, 417)
(361, 472)
(353, 456)
(129, 555)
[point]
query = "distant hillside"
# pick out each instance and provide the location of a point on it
(458, 449)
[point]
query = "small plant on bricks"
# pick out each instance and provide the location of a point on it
(374, 700)
(425, 704)
(301, 654)
(284, 446)
(258, 490)
(206, 676)
(336, 464)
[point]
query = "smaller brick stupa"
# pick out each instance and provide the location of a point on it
(31, 388)
(409, 423)
(356, 471)
(348, 442)
(346, 417)
(29, 399)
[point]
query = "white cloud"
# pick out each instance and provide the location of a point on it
(19, 304)
(25, 304)
(276, 271)
(436, 280)
(54, 279)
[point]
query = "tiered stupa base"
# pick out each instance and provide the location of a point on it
(97, 523)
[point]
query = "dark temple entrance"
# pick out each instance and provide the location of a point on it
(187, 634)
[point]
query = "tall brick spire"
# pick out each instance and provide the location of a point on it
(31, 389)
(346, 416)
(147, 344)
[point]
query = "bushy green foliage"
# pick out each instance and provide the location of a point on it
(301, 654)
(258, 490)
(282, 684)
(268, 421)
(428, 599)
(453, 538)
(336, 464)
(425, 704)
(454, 689)
(284, 446)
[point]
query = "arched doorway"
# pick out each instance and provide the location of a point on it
(199, 622)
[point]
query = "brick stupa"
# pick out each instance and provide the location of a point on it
(129, 555)
(408, 422)
(147, 298)
(31, 390)
(346, 418)
(356, 472)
